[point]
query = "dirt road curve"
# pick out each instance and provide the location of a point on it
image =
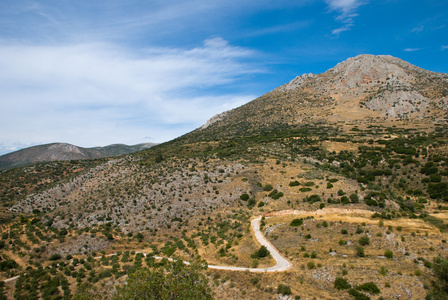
(281, 265)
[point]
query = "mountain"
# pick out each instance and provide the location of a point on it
(62, 151)
(346, 171)
(365, 88)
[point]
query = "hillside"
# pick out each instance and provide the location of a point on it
(348, 170)
(367, 89)
(62, 151)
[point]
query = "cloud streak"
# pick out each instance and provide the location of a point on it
(412, 49)
(346, 13)
(98, 94)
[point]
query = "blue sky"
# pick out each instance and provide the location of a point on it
(93, 73)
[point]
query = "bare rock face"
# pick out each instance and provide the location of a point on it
(362, 70)
(214, 119)
(398, 104)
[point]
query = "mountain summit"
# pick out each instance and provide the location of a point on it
(365, 87)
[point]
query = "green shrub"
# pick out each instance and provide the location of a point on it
(341, 283)
(313, 199)
(260, 253)
(354, 198)
(296, 222)
(358, 295)
(360, 251)
(363, 241)
(345, 200)
(55, 257)
(268, 187)
(294, 183)
(369, 287)
(389, 254)
(244, 197)
(283, 289)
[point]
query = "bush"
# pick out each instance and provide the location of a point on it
(244, 197)
(363, 241)
(341, 283)
(294, 183)
(275, 194)
(260, 253)
(389, 254)
(283, 289)
(354, 198)
(360, 251)
(345, 200)
(358, 295)
(296, 222)
(371, 202)
(268, 187)
(313, 199)
(369, 287)
(55, 257)
(8, 265)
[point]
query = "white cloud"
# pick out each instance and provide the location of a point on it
(346, 13)
(412, 49)
(444, 47)
(98, 94)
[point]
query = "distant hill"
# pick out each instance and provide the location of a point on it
(63, 151)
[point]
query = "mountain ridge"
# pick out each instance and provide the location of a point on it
(65, 151)
(362, 87)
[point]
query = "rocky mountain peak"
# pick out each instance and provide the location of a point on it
(364, 87)
(365, 69)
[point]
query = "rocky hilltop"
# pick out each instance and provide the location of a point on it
(63, 151)
(364, 88)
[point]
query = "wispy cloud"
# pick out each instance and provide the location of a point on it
(418, 29)
(412, 49)
(444, 47)
(280, 28)
(97, 94)
(346, 13)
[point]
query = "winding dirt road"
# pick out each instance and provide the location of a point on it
(281, 263)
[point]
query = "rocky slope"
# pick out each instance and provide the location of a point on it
(62, 151)
(363, 88)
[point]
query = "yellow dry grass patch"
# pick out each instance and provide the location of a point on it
(357, 216)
